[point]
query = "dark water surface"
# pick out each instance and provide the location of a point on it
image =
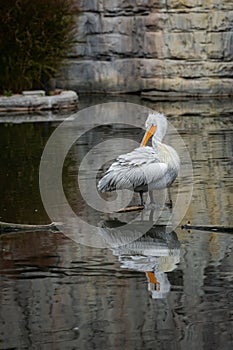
(58, 294)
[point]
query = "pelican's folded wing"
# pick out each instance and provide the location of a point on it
(139, 156)
(137, 168)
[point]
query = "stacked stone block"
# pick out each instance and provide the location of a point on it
(158, 47)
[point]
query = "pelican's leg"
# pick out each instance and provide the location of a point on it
(151, 195)
(156, 200)
(169, 203)
(141, 197)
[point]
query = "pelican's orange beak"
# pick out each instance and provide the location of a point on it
(148, 135)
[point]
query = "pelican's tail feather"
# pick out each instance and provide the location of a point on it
(106, 184)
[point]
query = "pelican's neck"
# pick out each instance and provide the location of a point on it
(159, 135)
(161, 129)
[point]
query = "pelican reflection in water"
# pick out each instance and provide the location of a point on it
(154, 253)
(145, 168)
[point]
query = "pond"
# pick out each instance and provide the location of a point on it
(166, 290)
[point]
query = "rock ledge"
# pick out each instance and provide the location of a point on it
(62, 100)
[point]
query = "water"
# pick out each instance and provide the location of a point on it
(57, 294)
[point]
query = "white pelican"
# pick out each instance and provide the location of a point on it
(145, 168)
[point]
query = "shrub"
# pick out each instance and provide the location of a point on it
(35, 36)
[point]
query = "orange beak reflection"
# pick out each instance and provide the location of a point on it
(152, 279)
(148, 135)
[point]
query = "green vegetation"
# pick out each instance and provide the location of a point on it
(7, 93)
(35, 36)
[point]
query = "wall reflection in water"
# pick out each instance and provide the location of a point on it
(56, 294)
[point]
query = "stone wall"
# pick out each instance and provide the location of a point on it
(158, 47)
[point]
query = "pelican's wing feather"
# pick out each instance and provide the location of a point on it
(139, 156)
(137, 168)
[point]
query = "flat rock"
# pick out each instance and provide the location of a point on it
(34, 93)
(31, 102)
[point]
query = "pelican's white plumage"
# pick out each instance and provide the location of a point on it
(145, 168)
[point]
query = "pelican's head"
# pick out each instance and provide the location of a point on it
(156, 122)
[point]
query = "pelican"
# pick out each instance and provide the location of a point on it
(145, 168)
